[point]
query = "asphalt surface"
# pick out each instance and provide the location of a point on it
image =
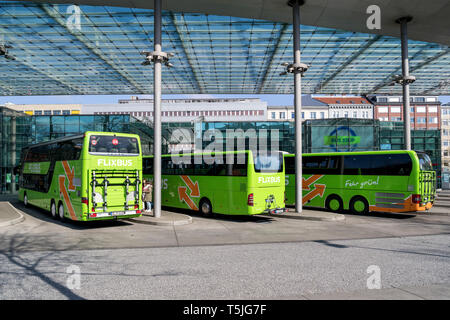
(257, 257)
(257, 271)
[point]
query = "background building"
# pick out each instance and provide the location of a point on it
(311, 109)
(425, 111)
(186, 110)
(348, 107)
(445, 135)
(45, 109)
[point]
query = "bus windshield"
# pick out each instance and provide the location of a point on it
(269, 163)
(425, 162)
(113, 145)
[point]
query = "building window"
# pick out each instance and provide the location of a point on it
(292, 115)
(345, 114)
(412, 109)
(395, 109)
(412, 119)
(273, 115)
(56, 112)
(313, 115)
(421, 120)
(432, 120)
(421, 109)
(432, 109)
(66, 112)
(382, 109)
(355, 114)
(322, 115)
(303, 115)
(382, 99)
(282, 115)
(38, 113)
(420, 99)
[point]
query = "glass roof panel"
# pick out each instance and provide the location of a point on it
(69, 49)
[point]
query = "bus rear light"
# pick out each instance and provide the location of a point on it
(93, 215)
(416, 198)
(138, 211)
(85, 201)
(93, 209)
(136, 206)
(250, 200)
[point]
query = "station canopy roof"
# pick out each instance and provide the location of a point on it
(63, 49)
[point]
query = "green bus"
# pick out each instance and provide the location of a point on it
(230, 182)
(386, 181)
(91, 176)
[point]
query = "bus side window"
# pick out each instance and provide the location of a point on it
(352, 165)
(148, 166)
(239, 166)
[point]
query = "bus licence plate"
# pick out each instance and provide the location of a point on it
(121, 213)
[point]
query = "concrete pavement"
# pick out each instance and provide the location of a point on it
(409, 268)
(9, 215)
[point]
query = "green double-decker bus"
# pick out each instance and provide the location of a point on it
(91, 176)
(231, 183)
(386, 181)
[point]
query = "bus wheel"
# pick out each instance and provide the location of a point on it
(205, 208)
(53, 209)
(359, 205)
(61, 211)
(25, 199)
(334, 203)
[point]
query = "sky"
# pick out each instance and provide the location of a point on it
(271, 99)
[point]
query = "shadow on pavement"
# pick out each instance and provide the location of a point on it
(29, 265)
(223, 217)
(45, 216)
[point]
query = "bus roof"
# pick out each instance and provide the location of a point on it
(202, 153)
(80, 135)
(354, 153)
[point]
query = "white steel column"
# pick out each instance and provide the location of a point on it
(405, 80)
(157, 114)
(297, 68)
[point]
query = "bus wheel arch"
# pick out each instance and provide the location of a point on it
(334, 203)
(205, 207)
(359, 205)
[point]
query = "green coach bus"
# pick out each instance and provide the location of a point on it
(91, 176)
(233, 183)
(386, 181)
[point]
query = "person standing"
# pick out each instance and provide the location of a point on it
(147, 194)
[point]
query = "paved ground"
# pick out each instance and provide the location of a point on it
(304, 270)
(228, 257)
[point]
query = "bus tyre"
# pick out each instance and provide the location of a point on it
(61, 211)
(359, 205)
(53, 209)
(25, 200)
(205, 208)
(334, 203)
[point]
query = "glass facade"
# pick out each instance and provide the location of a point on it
(18, 130)
(327, 135)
